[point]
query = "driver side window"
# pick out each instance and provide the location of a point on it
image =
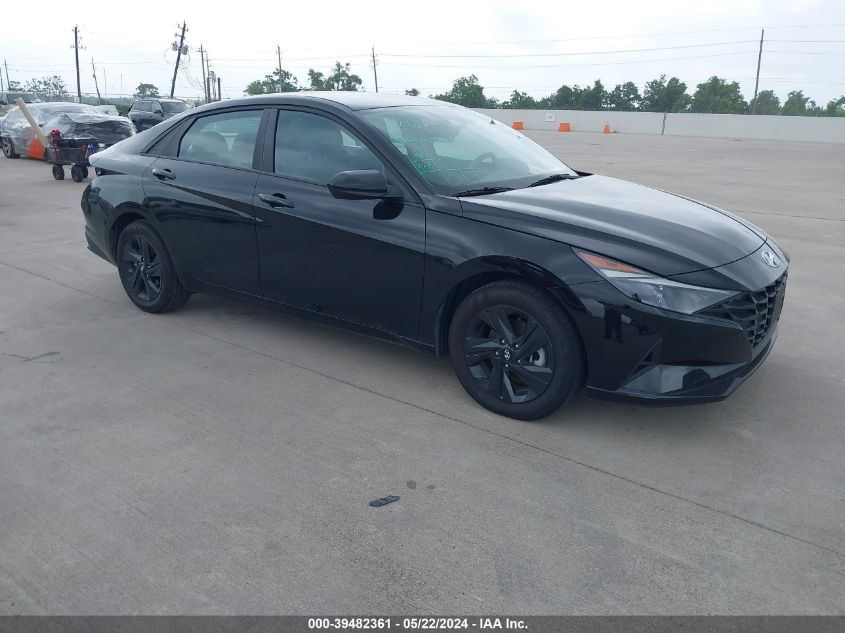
(314, 148)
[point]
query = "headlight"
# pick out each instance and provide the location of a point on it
(657, 291)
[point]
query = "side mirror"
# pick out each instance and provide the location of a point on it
(359, 184)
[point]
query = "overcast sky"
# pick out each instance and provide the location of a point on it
(532, 46)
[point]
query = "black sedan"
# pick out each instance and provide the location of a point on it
(435, 226)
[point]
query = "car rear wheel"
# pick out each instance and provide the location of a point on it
(8, 148)
(515, 350)
(146, 270)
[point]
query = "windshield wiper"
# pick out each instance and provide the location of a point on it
(553, 178)
(482, 191)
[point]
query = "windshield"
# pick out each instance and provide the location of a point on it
(173, 107)
(455, 149)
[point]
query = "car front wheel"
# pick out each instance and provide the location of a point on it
(146, 270)
(515, 350)
(8, 148)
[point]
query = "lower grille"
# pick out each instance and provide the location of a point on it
(756, 312)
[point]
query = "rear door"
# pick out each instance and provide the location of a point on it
(201, 194)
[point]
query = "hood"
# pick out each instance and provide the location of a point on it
(661, 232)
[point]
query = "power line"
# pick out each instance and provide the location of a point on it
(609, 52)
(635, 35)
(579, 65)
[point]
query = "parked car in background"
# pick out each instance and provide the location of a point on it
(73, 120)
(145, 113)
(433, 225)
(8, 97)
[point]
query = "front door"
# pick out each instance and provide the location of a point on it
(358, 260)
(202, 197)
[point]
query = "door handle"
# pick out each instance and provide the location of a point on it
(276, 200)
(163, 174)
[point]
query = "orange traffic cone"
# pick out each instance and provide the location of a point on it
(606, 128)
(36, 149)
(518, 125)
(564, 127)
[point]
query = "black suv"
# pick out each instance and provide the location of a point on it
(146, 113)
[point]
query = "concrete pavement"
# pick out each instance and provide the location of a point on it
(220, 459)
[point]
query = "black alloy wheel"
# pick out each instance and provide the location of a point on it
(509, 354)
(146, 270)
(515, 350)
(143, 267)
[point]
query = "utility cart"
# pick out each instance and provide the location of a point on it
(63, 151)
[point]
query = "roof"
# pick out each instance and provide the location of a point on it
(349, 99)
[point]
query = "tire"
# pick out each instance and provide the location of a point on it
(76, 173)
(58, 172)
(8, 148)
(537, 369)
(146, 270)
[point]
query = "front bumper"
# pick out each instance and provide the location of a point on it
(664, 385)
(636, 352)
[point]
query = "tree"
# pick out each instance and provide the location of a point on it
(592, 98)
(563, 98)
(767, 103)
(341, 78)
(835, 108)
(144, 91)
(14, 86)
(660, 95)
(719, 97)
(795, 104)
(624, 97)
(520, 100)
(47, 88)
(413, 92)
(274, 82)
(466, 91)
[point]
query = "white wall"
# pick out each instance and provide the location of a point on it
(784, 128)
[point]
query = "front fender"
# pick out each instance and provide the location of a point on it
(463, 255)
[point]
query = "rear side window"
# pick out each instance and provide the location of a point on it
(174, 107)
(224, 139)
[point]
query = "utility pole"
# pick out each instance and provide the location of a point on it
(219, 90)
(105, 86)
(8, 79)
(178, 57)
(279, 53)
(96, 85)
(76, 53)
(2, 87)
(375, 73)
(204, 82)
(757, 81)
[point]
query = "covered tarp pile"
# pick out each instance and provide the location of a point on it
(73, 120)
(107, 129)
